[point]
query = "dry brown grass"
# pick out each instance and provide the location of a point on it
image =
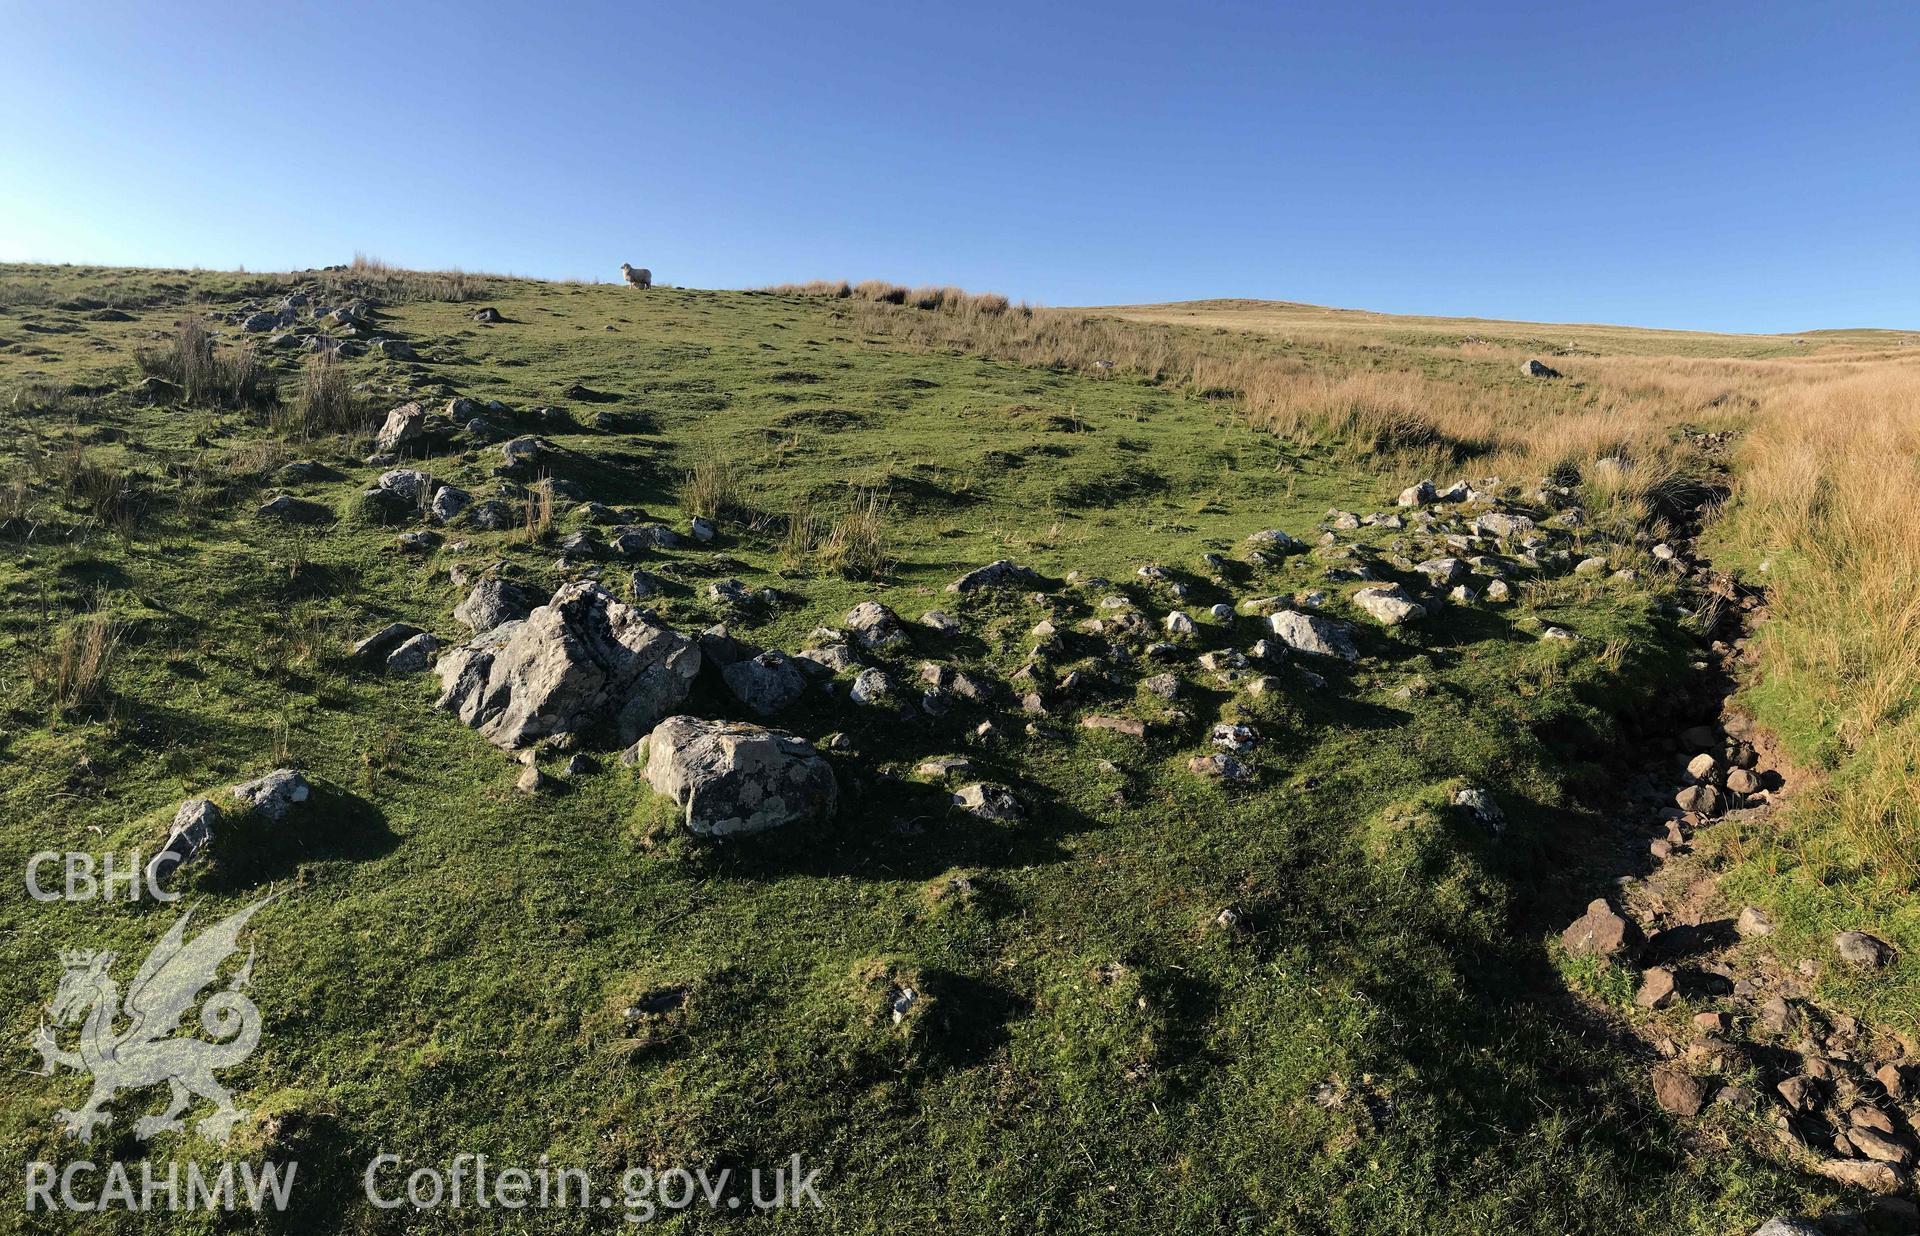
(369, 276)
(71, 672)
(711, 487)
(1830, 492)
(235, 377)
(856, 546)
(537, 512)
(325, 402)
(949, 299)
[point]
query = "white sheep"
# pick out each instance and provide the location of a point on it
(638, 276)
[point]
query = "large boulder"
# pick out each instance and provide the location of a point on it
(1312, 634)
(735, 777)
(580, 660)
(1863, 951)
(1418, 494)
(403, 489)
(448, 502)
(496, 601)
(1500, 524)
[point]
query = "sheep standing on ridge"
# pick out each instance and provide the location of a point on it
(638, 276)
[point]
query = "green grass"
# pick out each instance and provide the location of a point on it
(1389, 1047)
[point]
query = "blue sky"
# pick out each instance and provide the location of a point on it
(1729, 166)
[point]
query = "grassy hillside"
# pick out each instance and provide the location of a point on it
(1816, 437)
(1387, 1040)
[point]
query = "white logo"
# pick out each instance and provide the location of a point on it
(148, 1052)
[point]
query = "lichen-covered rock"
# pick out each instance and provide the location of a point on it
(1389, 604)
(767, 684)
(273, 796)
(1312, 634)
(580, 660)
(448, 502)
(1498, 524)
(875, 626)
(734, 777)
(414, 656)
(192, 832)
(987, 801)
(403, 426)
(1001, 574)
(494, 601)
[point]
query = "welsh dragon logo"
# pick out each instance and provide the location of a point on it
(148, 1051)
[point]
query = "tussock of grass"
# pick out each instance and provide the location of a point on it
(71, 672)
(712, 486)
(232, 377)
(324, 402)
(369, 276)
(856, 546)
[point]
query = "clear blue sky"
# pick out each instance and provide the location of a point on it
(1750, 166)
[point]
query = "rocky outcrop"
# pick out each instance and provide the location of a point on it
(875, 626)
(734, 777)
(580, 661)
(496, 601)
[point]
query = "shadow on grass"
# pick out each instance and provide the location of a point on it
(331, 826)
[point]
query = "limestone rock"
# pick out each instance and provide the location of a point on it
(875, 626)
(403, 426)
(413, 656)
(496, 601)
(1313, 634)
(192, 832)
(988, 801)
(1417, 495)
(1389, 604)
(734, 777)
(580, 659)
